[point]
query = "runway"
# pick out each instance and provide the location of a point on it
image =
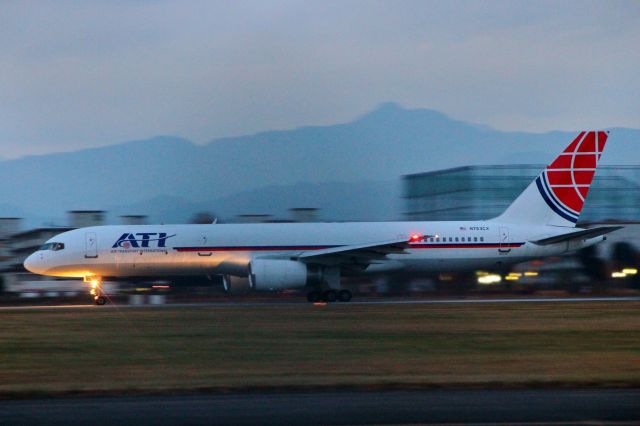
(478, 407)
(289, 302)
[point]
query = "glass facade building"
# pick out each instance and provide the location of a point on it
(483, 192)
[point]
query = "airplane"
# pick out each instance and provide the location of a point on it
(541, 222)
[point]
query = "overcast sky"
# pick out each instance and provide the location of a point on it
(85, 73)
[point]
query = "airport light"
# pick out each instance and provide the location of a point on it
(531, 274)
(512, 278)
(618, 274)
(630, 271)
(489, 279)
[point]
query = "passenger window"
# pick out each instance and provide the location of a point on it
(430, 240)
(456, 239)
(450, 239)
(463, 239)
(481, 238)
(475, 239)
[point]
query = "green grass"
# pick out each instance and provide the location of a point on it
(157, 350)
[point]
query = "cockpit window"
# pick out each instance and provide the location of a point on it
(52, 246)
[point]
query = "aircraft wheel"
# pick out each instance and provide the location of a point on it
(344, 295)
(330, 295)
(314, 296)
(100, 300)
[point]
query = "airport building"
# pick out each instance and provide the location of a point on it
(483, 192)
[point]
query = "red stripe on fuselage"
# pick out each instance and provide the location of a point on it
(465, 246)
(253, 248)
(305, 248)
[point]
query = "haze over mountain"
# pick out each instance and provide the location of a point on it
(351, 171)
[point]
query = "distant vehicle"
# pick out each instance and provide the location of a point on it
(540, 222)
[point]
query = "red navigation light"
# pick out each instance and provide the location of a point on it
(415, 237)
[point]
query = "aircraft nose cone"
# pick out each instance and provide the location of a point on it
(33, 264)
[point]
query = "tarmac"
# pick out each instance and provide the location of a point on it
(453, 407)
(289, 302)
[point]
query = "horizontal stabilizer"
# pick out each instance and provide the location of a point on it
(582, 235)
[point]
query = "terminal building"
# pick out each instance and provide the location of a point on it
(484, 192)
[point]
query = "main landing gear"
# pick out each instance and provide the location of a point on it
(329, 296)
(327, 288)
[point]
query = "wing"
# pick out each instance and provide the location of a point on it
(582, 234)
(358, 254)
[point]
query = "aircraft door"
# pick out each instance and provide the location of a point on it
(504, 240)
(91, 245)
(204, 242)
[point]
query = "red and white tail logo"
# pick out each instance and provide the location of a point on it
(565, 183)
(557, 196)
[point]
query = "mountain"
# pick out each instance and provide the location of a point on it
(273, 171)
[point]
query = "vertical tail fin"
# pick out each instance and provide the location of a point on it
(557, 195)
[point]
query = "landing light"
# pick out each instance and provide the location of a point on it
(630, 271)
(618, 275)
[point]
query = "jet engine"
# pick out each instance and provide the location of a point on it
(278, 274)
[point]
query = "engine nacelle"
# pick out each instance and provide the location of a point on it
(277, 274)
(236, 285)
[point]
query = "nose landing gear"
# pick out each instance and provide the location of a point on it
(96, 290)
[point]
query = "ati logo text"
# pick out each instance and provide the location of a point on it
(142, 240)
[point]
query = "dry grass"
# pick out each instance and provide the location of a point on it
(339, 345)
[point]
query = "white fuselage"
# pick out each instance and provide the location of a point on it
(170, 250)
